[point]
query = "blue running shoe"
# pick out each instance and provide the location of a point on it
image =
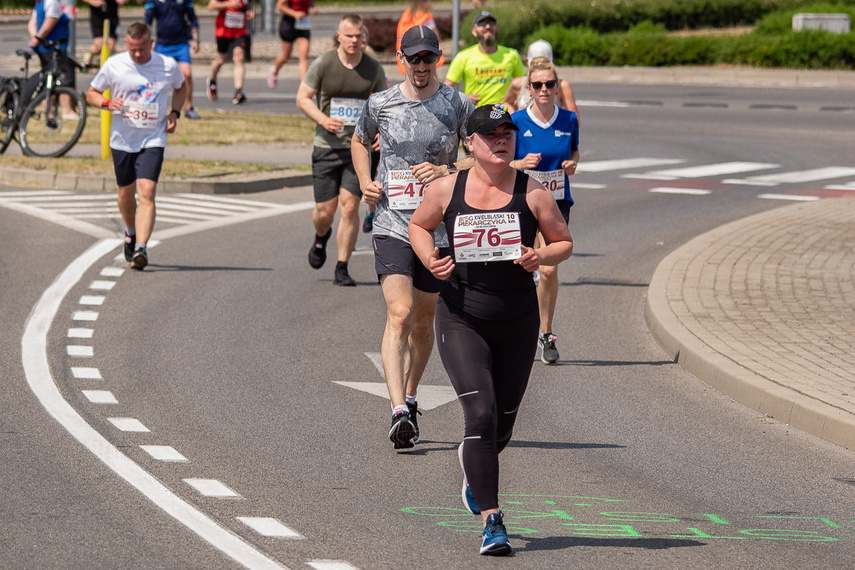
(494, 540)
(466, 492)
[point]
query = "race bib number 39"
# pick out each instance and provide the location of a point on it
(348, 110)
(140, 115)
(404, 190)
(487, 237)
(553, 180)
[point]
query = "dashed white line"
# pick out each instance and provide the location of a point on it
(269, 527)
(86, 373)
(102, 285)
(703, 171)
(791, 197)
(624, 163)
(211, 488)
(128, 424)
(112, 272)
(92, 300)
(795, 177)
(100, 396)
(77, 350)
(330, 565)
(85, 316)
(80, 333)
(163, 453)
(689, 191)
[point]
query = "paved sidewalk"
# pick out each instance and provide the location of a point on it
(763, 310)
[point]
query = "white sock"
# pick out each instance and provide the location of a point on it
(402, 409)
(139, 246)
(411, 399)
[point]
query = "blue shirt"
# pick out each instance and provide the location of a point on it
(175, 18)
(554, 140)
(59, 31)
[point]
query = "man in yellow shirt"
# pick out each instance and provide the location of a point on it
(486, 68)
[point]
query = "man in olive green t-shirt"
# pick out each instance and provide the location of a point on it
(486, 68)
(342, 80)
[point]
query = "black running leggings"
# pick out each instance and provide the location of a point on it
(488, 363)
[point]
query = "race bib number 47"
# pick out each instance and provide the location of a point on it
(553, 180)
(487, 237)
(404, 190)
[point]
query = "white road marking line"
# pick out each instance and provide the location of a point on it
(112, 272)
(849, 186)
(100, 396)
(210, 488)
(93, 300)
(707, 170)
(574, 186)
(60, 219)
(221, 222)
(70, 198)
(624, 164)
(330, 565)
(796, 177)
(102, 285)
(587, 103)
(166, 205)
(85, 316)
(214, 206)
(225, 200)
(88, 373)
(128, 424)
(269, 527)
(791, 197)
(164, 453)
(690, 191)
(186, 214)
(73, 350)
(171, 220)
(80, 333)
(37, 372)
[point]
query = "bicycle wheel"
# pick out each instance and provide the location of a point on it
(45, 130)
(8, 104)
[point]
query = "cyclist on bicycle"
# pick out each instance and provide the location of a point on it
(50, 23)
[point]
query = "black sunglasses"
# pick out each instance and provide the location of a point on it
(428, 58)
(538, 85)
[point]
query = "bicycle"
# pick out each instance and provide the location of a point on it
(30, 106)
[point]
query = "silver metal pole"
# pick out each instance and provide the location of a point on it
(455, 27)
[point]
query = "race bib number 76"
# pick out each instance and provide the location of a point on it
(487, 237)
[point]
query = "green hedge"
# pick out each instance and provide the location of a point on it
(518, 20)
(647, 45)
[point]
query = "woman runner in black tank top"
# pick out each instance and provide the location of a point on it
(487, 318)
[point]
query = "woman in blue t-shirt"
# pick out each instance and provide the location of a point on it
(548, 149)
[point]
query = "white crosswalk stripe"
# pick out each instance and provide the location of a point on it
(703, 171)
(178, 209)
(795, 177)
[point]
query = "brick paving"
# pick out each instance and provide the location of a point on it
(763, 309)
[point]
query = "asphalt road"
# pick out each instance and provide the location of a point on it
(230, 350)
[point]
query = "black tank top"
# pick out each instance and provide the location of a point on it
(495, 290)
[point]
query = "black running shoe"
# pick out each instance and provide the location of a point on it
(402, 431)
(318, 253)
(212, 88)
(130, 244)
(414, 411)
(548, 352)
(343, 278)
(140, 260)
(239, 97)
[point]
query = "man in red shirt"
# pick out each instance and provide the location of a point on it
(231, 35)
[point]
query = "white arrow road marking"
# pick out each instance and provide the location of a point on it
(430, 397)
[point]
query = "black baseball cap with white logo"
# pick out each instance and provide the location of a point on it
(485, 119)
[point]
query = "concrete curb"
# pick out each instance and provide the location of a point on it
(107, 183)
(726, 375)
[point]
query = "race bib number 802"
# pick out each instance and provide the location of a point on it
(487, 237)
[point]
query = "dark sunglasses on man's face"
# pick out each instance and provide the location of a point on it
(538, 85)
(428, 58)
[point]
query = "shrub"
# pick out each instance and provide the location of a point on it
(382, 33)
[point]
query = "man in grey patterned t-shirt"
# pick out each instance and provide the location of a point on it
(420, 123)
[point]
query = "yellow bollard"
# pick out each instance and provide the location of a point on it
(105, 113)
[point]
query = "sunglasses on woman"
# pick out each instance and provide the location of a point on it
(428, 58)
(538, 85)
